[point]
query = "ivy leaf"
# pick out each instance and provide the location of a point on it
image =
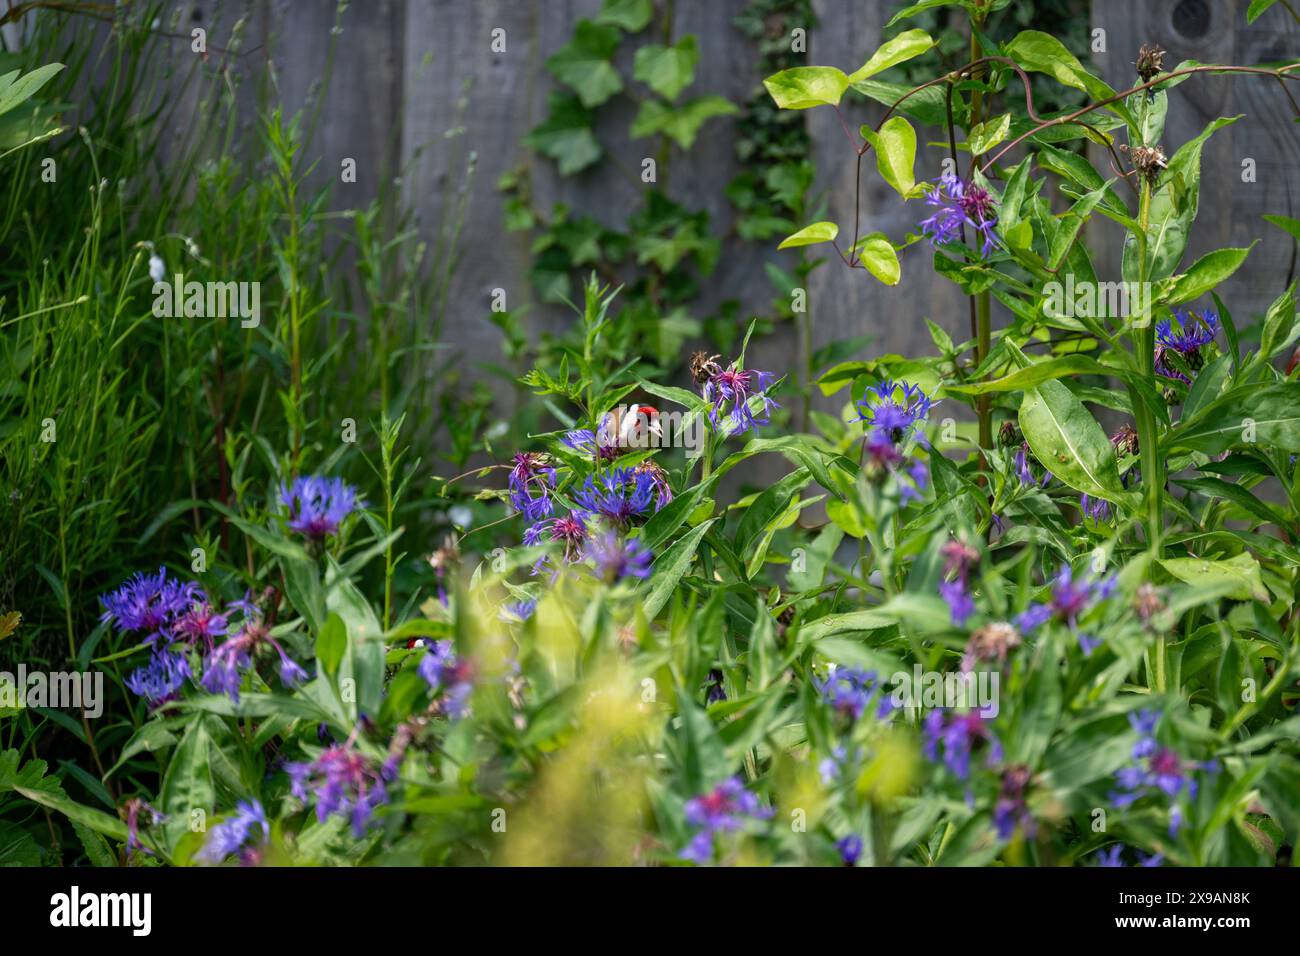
(895, 147)
(804, 87)
(631, 15)
(811, 235)
(667, 69)
(565, 136)
(682, 123)
(905, 46)
(878, 255)
(585, 63)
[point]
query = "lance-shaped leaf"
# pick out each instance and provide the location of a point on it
(1065, 437)
(1206, 273)
(811, 235)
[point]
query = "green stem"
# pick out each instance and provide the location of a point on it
(1153, 481)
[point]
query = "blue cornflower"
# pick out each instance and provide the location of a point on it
(1011, 809)
(1069, 601)
(960, 604)
(851, 691)
(957, 736)
(1111, 857)
(518, 610)
(619, 495)
(150, 603)
(230, 835)
(318, 505)
(850, 848)
(571, 530)
(1156, 769)
(725, 809)
(735, 387)
(531, 472)
(616, 558)
(223, 669)
(342, 781)
(1025, 473)
(959, 204)
(1195, 331)
(160, 680)
(449, 674)
(1098, 509)
(894, 409)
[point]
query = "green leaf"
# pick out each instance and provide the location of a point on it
(984, 136)
(1206, 273)
(879, 256)
(669, 568)
(331, 643)
(680, 123)
(804, 87)
(1257, 8)
(1065, 437)
(15, 91)
(1241, 572)
(1279, 329)
(565, 135)
(905, 46)
(584, 65)
(667, 69)
(1248, 414)
(811, 235)
(630, 15)
(187, 786)
(1042, 53)
(1031, 375)
(895, 146)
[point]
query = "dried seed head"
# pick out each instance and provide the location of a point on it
(1147, 160)
(992, 642)
(446, 556)
(1125, 441)
(704, 367)
(1150, 61)
(1147, 602)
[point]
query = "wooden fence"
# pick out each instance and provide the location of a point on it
(409, 71)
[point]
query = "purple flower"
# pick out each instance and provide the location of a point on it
(734, 387)
(160, 680)
(958, 204)
(133, 808)
(955, 737)
(1156, 769)
(1011, 810)
(230, 835)
(894, 410)
(618, 558)
(449, 674)
(1069, 601)
(716, 692)
(851, 691)
(1194, 333)
(850, 848)
(518, 610)
(149, 603)
(200, 623)
(725, 809)
(223, 669)
(1110, 858)
(960, 604)
(318, 505)
(619, 495)
(342, 782)
(531, 472)
(1025, 473)
(1098, 509)
(570, 530)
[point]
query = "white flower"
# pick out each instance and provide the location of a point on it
(157, 268)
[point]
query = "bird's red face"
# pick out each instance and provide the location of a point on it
(637, 426)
